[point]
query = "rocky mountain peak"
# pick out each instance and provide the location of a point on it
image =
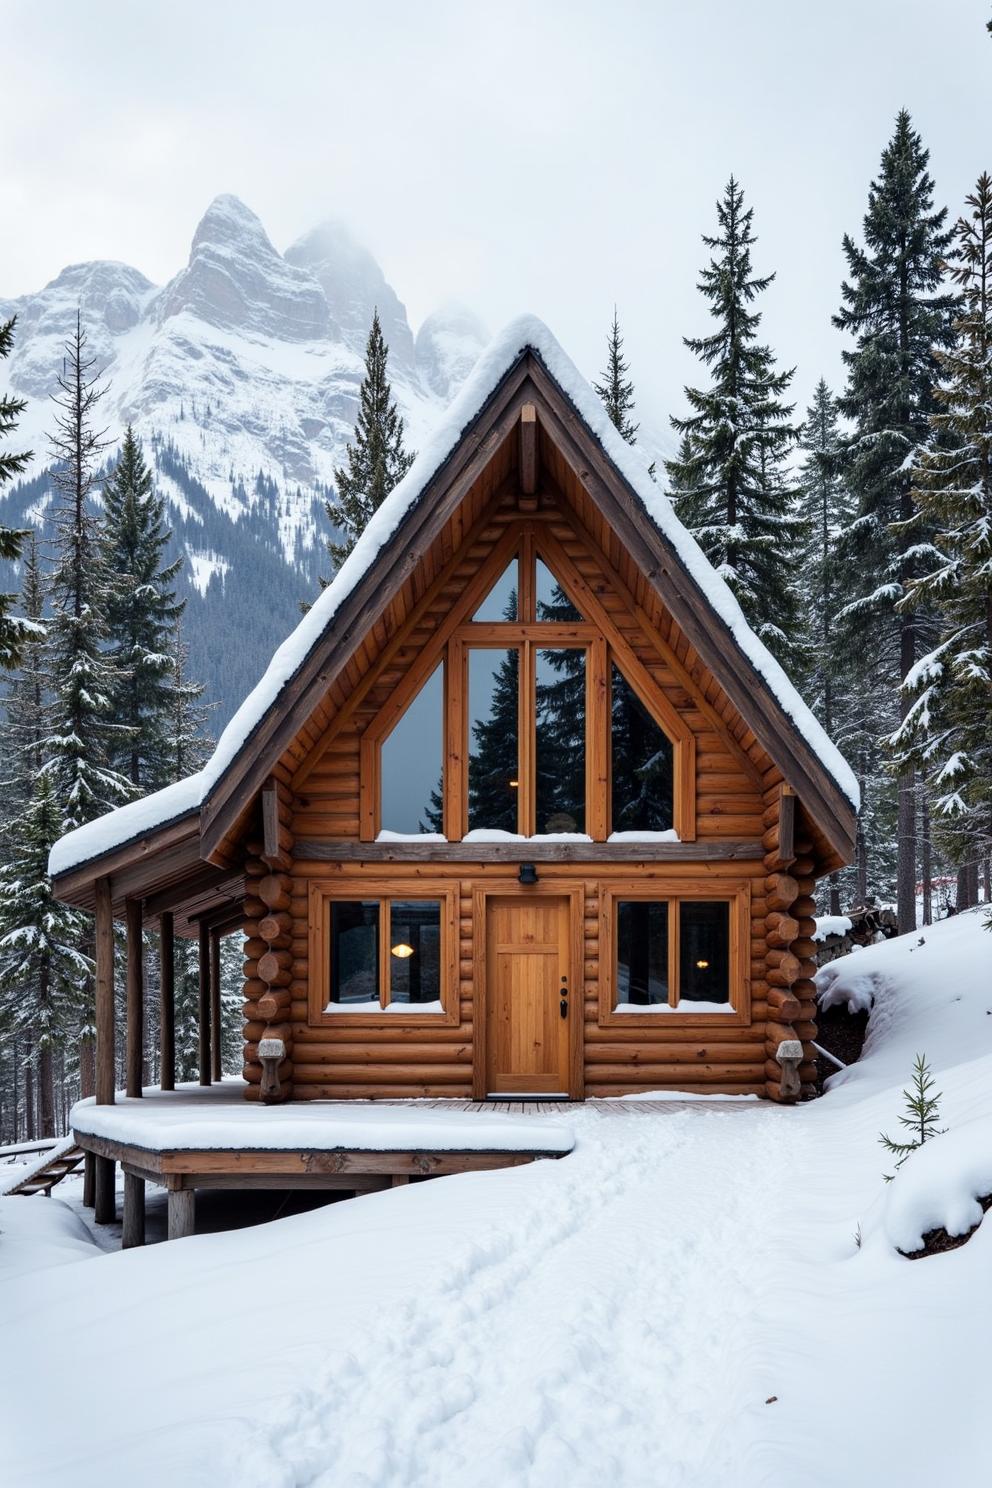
(235, 280)
(448, 346)
(354, 286)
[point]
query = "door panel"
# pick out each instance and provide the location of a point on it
(527, 978)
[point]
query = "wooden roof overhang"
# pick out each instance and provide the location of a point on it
(177, 859)
(165, 870)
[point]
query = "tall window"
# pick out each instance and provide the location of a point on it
(493, 723)
(560, 724)
(412, 764)
(642, 764)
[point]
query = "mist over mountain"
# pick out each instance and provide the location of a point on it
(241, 375)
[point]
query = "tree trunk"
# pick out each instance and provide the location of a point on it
(29, 1124)
(927, 855)
(87, 1066)
(46, 1090)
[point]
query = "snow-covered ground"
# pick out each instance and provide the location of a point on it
(681, 1301)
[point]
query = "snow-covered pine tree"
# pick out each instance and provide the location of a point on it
(83, 738)
(142, 613)
(617, 389)
(43, 972)
(947, 731)
(25, 706)
(189, 742)
(13, 631)
(375, 459)
(729, 481)
(895, 310)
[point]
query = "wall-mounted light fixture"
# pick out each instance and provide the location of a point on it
(527, 874)
(402, 950)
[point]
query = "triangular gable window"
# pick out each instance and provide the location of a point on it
(553, 602)
(501, 601)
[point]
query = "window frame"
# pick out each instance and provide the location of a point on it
(605, 647)
(320, 898)
(672, 891)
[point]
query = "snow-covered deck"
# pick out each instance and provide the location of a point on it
(217, 1118)
(212, 1137)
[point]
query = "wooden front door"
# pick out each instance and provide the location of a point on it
(528, 995)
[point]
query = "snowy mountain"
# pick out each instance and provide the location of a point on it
(241, 375)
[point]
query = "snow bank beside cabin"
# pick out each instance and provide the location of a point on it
(522, 334)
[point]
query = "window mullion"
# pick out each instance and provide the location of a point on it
(527, 745)
(383, 953)
(673, 952)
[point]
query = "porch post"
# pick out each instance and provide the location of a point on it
(204, 1004)
(135, 996)
(215, 1025)
(105, 1204)
(133, 1232)
(167, 1001)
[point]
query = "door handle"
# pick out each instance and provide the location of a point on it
(563, 1007)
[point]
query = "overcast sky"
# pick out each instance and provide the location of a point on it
(542, 156)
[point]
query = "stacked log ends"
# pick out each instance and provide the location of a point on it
(268, 973)
(789, 928)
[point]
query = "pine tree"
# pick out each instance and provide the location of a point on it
(826, 508)
(894, 309)
(142, 613)
(190, 744)
(13, 631)
(617, 390)
(729, 481)
(25, 706)
(43, 974)
(83, 737)
(922, 1115)
(376, 459)
(947, 731)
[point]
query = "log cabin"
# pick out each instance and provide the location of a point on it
(523, 807)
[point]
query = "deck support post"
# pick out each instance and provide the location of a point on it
(89, 1180)
(167, 1001)
(182, 1212)
(105, 1191)
(134, 1032)
(134, 1211)
(204, 1003)
(104, 1197)
(216, 1073)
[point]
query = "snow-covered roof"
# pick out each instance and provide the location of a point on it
(525, 333)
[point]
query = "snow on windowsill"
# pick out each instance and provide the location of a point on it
(376, 1007)
(387, 836)
(496, 834)
(668, 836)
(653, 1008)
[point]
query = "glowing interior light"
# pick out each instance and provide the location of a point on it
(402, 950)
(702, 965)
(514, 784)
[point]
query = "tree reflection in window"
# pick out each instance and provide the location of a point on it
(493, 755)
(560, 717)
(642, 765)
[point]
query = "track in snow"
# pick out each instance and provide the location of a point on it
(597, 1335)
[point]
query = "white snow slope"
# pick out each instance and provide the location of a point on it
(678, 1304)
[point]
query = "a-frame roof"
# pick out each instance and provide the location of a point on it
(524, 360)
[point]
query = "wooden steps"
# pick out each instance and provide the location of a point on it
(43, 1180)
